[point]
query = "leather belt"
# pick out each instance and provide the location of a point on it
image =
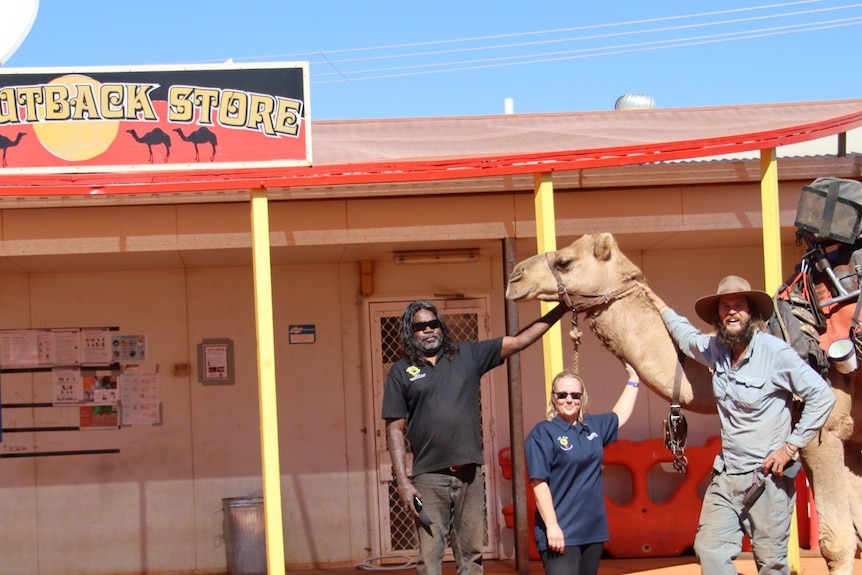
(458, 468)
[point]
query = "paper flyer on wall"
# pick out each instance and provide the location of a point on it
(99, 417)
(130, 347)
(140, 398)
(96, 346)
(68, 386)
(19, 349)
(67, 346)
(100, 388)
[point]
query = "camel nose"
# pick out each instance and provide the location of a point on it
(517, 272)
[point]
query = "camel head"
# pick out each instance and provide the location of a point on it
(591, 266)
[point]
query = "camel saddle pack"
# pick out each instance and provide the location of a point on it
(821, 302)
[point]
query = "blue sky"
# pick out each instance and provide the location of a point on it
(393, 59)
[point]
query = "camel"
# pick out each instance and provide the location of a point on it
(154, 137)
(200, 136)
(599, 281)
(6, 143)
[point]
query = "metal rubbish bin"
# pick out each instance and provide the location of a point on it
(244, 535)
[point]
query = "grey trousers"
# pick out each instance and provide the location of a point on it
(456, 500)
(724, 519)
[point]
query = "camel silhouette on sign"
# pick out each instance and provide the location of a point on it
(6, 143)
(154, 137)
(200, 136)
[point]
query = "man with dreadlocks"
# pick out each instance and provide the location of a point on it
(754, 379)
(435, 387)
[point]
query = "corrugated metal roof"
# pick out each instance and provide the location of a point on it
(431, 149)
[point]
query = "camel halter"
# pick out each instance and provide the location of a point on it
(594, 301)
(675, 427)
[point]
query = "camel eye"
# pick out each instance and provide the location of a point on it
(563, 264)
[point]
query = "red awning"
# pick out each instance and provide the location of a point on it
(354, 152)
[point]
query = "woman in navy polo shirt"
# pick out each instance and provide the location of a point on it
(564, 459)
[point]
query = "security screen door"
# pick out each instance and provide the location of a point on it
(466, 320)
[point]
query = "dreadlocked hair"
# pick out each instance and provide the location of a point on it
(409, 346)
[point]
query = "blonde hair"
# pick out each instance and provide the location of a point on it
(552, 412)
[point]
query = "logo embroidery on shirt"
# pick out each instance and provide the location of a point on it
(592, 435)
(564, 443)
(415, 373)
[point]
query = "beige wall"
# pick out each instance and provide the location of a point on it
(181, 273)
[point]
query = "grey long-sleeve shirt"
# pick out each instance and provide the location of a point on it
(754, 397)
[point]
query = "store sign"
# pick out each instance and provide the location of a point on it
(154, 119)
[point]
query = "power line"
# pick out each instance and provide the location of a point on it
(520, 60)
(524, 34)
(342, 72)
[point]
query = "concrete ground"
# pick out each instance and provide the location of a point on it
(810, 564)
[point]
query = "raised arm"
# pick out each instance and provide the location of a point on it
(653, 297)
(626, 403)
(531, 333)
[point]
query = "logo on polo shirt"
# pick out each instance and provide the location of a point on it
(564, 443)
(415, 373)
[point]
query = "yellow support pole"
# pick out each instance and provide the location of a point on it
(546, 241)
(773, 278)
(266, 382)
(771, 220)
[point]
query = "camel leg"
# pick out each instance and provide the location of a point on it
(853, 459)
(824, 459)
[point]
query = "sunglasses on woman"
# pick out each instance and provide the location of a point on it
(561, 395)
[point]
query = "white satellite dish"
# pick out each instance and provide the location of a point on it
(18, 18)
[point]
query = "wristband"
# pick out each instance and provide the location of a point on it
(790, 451)
(632, 383)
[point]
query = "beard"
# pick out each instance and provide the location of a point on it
(430, 345)
(740, 338)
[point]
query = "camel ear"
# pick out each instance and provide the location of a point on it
(605, 246)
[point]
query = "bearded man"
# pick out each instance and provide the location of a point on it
(431, 395)
(755, 377)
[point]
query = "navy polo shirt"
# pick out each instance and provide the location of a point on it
(569, 458)
(441, 404)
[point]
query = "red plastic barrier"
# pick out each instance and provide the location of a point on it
(806, 514)
(505, 459)
(642, 527)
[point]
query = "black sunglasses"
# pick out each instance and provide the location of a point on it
(561, 395)
(423, 325)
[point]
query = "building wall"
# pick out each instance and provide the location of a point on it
(180, 274)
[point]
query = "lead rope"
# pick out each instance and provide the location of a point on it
(563, 292)
(575, 335)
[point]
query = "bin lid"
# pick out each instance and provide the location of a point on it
(242, 501)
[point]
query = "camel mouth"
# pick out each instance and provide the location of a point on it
(513, 293)
(516, 293)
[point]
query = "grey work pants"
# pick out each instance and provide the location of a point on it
(724, 520)
(456, 499)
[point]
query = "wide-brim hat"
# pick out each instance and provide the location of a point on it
(707, 307)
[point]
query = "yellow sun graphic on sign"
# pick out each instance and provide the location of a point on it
(76, 141)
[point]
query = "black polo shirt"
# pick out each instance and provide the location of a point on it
(441, 404)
